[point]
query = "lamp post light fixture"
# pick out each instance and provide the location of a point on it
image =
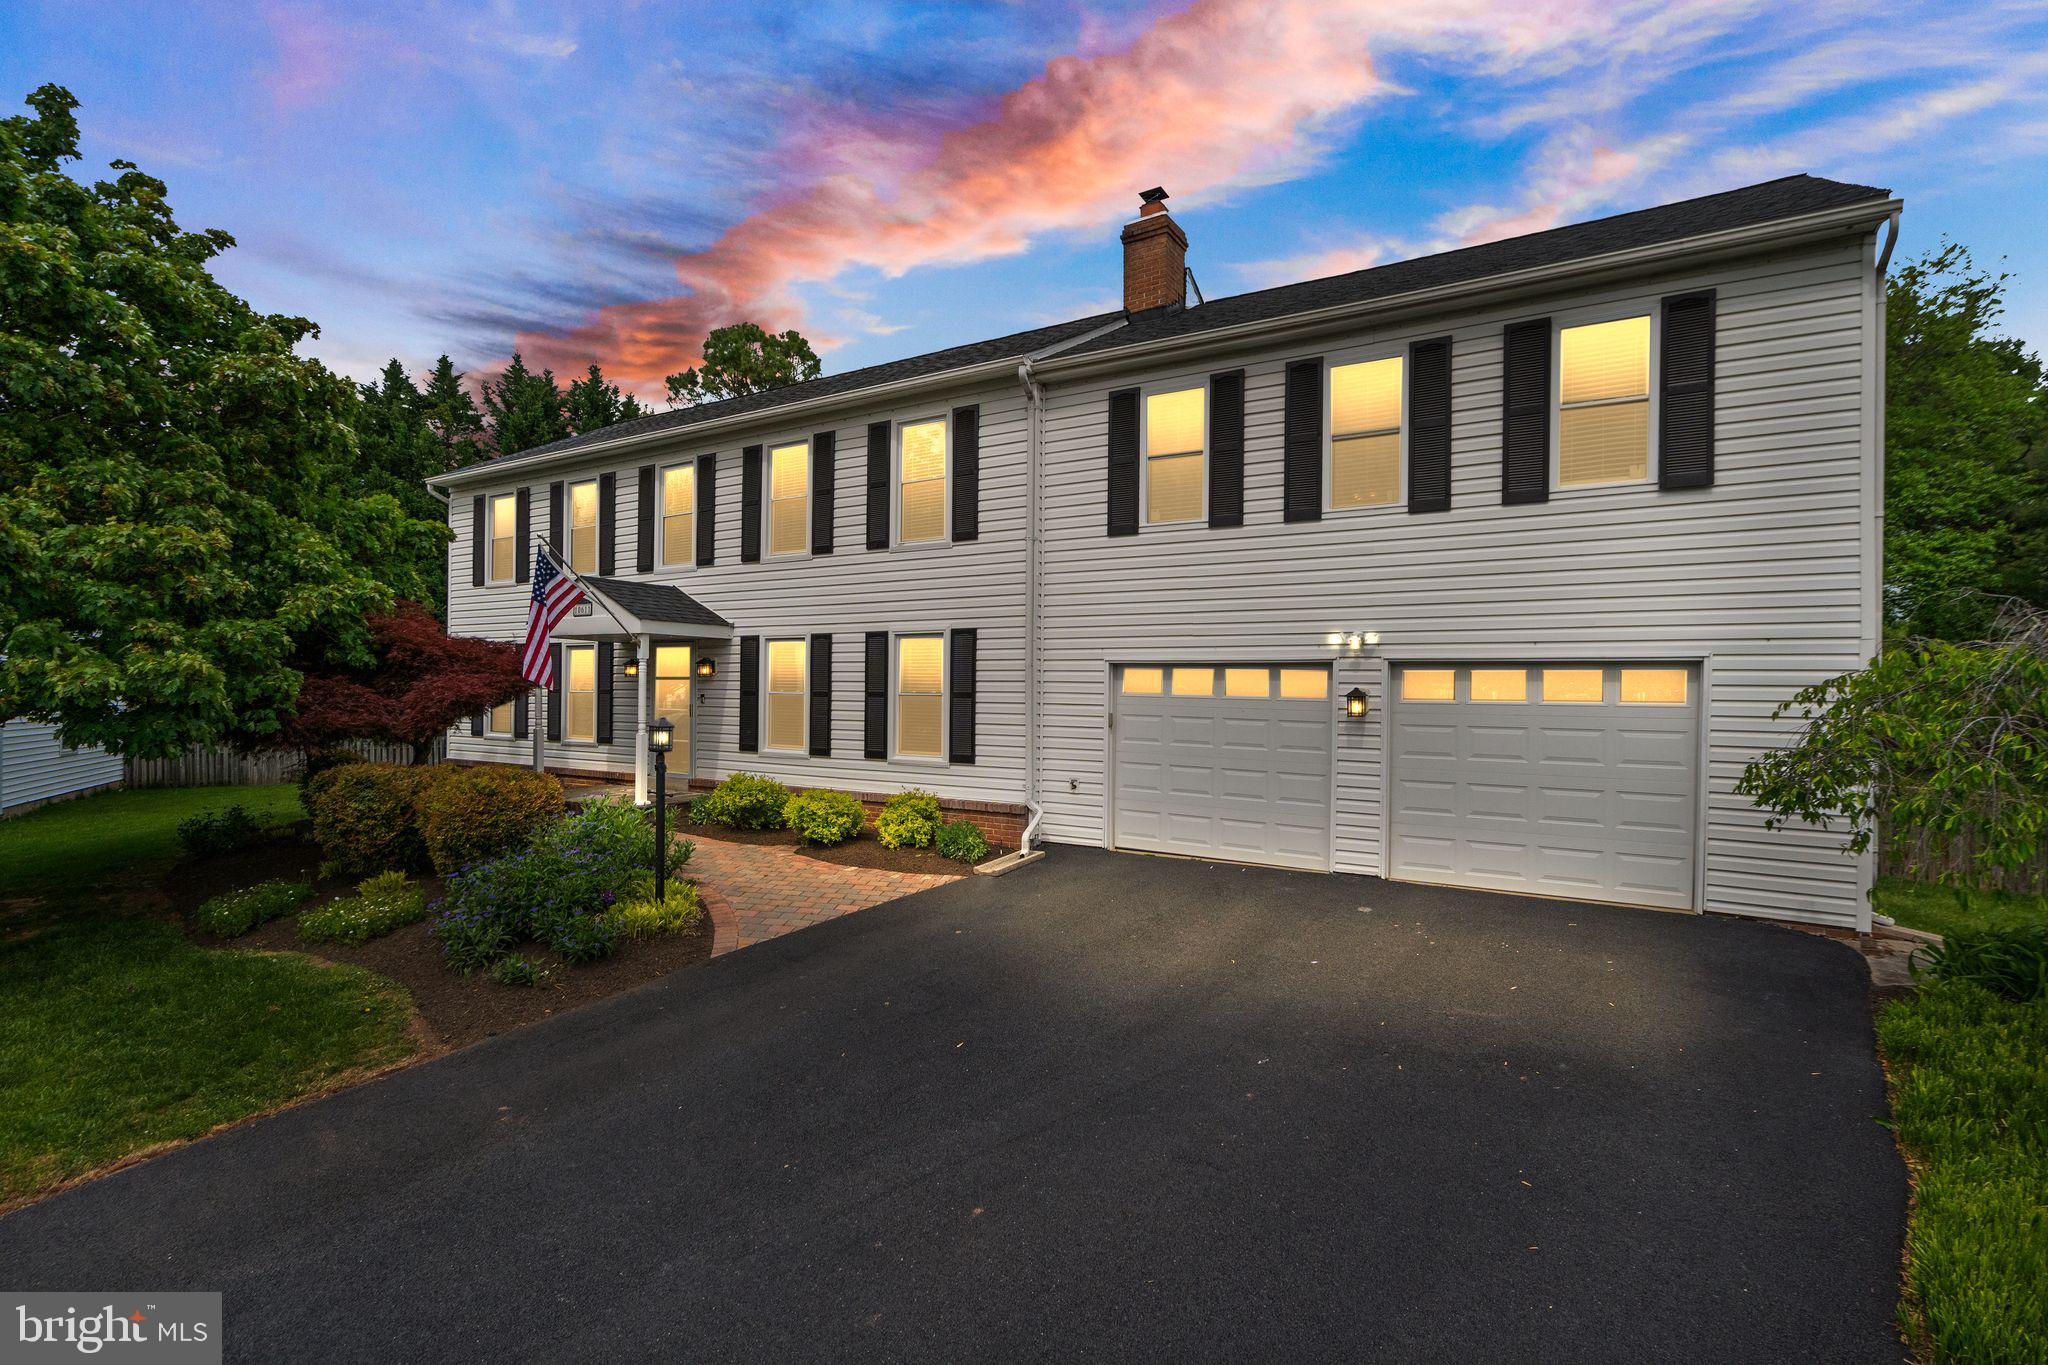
(1354, 703)
(706, 668)
(661, 737)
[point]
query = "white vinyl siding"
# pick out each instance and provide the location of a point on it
(678, 510)
(922, 470)
(35, 767)
(789, 499)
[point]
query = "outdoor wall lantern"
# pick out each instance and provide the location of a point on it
(706, 668)
(632, 666)
(1354, 703)
(661, 737)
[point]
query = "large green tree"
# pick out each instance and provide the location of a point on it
(451, 414)
(1966, 453)
(595, 402)
(397, 450)
(743, 359)
(524, 409)
(179, 534)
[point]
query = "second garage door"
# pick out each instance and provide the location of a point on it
(1224, 761)
(1560, 779)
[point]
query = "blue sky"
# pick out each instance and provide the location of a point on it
(604, 182)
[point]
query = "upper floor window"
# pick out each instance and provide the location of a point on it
(580, 718)
(1176, 455)
(788, 681)
(921, 481)
(789, 498)
(678, 514)
(504, 537)
(1603, 389)
(1365, 434)
(583, 526)
(920, 696)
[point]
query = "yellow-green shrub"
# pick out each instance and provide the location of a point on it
(908, 820)
(824, 817)
(363, 817)
(468, 814)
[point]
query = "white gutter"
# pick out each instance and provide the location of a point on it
(1034, 415)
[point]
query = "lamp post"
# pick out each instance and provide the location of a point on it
(661, 737)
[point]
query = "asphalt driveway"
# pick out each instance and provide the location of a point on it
(1106, 1107)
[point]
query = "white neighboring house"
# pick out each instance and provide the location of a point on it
(35, 769)
(1567, 514)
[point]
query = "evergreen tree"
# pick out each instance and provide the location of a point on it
(398, 451)
(451, 414)
(524, 409)
(593, 403)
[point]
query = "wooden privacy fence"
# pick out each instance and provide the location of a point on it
(201, 767)
(1906, 855)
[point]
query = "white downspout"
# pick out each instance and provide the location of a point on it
(1034, 412)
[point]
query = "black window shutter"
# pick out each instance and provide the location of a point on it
(821, 696)
(522, 532)
(1123, 462)
(878, 485)
(1302, 444)
(608, 523)
(750, 694)
(750, 505)
(960, 671)
(644, 551)
(1525, 412)
(1685, 422)
(520, 729)
(966, 473)
(1226, 448)
(707, 510)
(476, 723)
(558, 525)
(479, 540)
(604, 691)
(1429, 425)
(555, 694)
(875, 697)
(824, 480)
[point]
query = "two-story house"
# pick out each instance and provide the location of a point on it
(1484, 568)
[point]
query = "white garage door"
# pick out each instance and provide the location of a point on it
(1558, 779)
(1224, 761)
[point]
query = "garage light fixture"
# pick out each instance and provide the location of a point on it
(1354, 703)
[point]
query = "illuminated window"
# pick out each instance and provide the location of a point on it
(583, 526)
(672, 698)
(921, 474)
(789, 499)
(1428, 684)
(1194, 682)
(1144, 682)
(1247, 682)
(1653, 686)
(1500, 684)
(1304, 684)
(678, 514)
(788, 679)
(501, 718)
(1572, 684)
(1365, 433)
(1603, 432)
(581, 721)
(1175, 448)
(921, 696)
(504, 537)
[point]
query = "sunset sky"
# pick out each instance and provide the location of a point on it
(605, 182)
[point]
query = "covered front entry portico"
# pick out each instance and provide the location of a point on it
(668, 635)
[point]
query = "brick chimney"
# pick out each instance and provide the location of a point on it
(1155, 257)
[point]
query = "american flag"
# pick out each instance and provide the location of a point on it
(554, 593)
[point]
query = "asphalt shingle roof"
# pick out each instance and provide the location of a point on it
(656, 601)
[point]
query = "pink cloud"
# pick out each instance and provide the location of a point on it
(313, 55)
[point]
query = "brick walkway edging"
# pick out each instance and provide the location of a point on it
(755, 892)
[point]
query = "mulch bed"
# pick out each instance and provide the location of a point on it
(861, 851)
(453, 1010)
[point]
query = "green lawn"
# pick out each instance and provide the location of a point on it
(1970, 1101)
(116, 1033)
(1946, 909)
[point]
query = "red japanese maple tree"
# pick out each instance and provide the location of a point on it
(424, 681)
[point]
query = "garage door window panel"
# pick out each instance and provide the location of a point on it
(1304, 684)
(1144, 682)
(1500, 685)
(1573, 686)
(1194, 682)
(1428, 684)
(1653, 686)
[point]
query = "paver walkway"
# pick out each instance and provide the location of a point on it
(755, 892)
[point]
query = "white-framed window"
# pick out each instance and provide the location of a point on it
(579, 712)
(921, 696)
(1603, 402)
(500, 723)
(789, 498)
(679, 514)
(504, 537)
(1175, 448)
(924, 469)
(1367, 429)
(789, 680)
(583, 526)
(672, 698)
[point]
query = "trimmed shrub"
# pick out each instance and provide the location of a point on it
(2012, 962)
(212, 832)
(382, 903)
(467, 814)
(743, 801)
(824, 817)
(237, 912)
(680, 911)
(908, 820)
(518, 971)
(363, 817)
(962, 841)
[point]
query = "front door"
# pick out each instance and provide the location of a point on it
(672, 699)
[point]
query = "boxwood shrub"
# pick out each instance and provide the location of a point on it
(908, 820)
(467, 814)
(743, 801)
(363, 817)
(962, 841)
(824, 817)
